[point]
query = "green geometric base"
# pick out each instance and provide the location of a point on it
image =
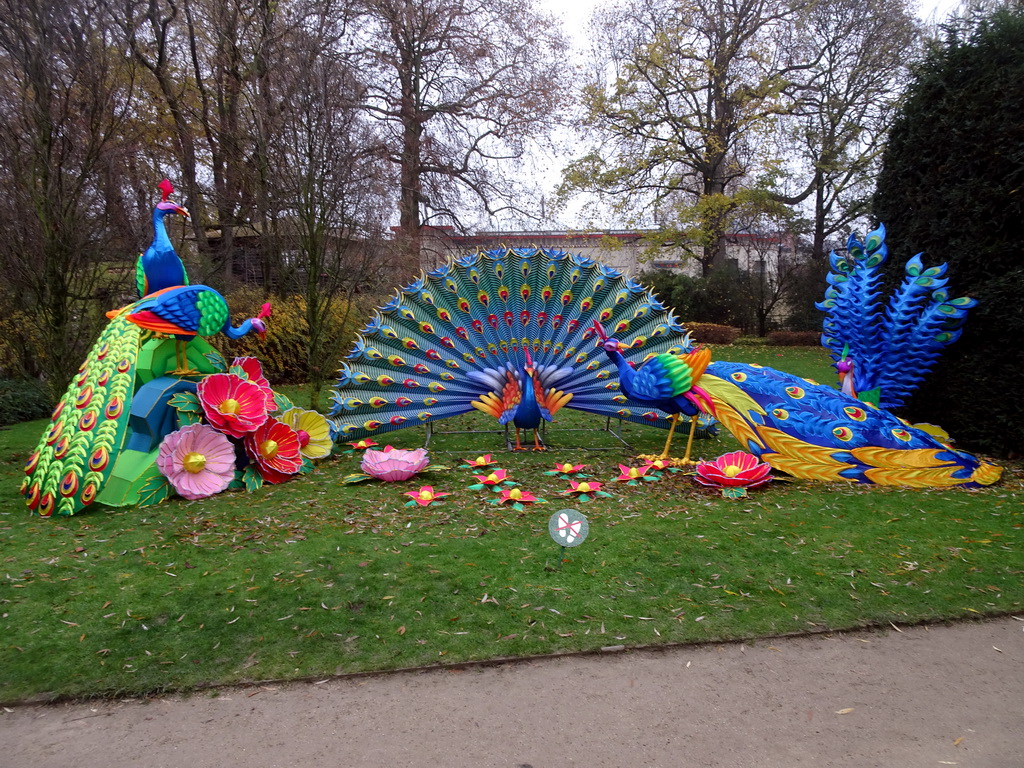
(158, 357)
(132, 471)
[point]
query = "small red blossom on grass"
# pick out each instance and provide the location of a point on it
(361, 445)
(733, 470)
(480, 461)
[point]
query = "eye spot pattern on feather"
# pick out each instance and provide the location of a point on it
(855, 413)
(843, 433)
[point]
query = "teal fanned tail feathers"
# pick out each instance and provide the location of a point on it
(461, 332)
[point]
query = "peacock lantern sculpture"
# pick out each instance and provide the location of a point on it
(104, 434)
(884, 353)
(523, 333)
(507, 332)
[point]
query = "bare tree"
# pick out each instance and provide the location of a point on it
(459, 86)
(206, 58)
(64, 139)
(862, 50)
(336, 193)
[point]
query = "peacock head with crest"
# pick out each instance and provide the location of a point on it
(166, 206)
(609, 344)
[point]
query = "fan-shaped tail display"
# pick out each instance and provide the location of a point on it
(461, 334)
(883, 353)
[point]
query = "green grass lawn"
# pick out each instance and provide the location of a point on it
(316, 577)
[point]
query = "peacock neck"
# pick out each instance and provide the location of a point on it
(529, 394)
(239, 332)
(626, 371)
(160, 238)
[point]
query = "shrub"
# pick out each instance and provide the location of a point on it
(794, 338)
(285, 353)
(710, 333)
(22, 400)
(750, 341)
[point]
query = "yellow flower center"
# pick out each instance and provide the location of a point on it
(481, 460)
(566, 467)
(425, 495)
(731, 470)
(194, 462)
(268, 449)
(230, 406)
(492, 477)
(516, 494)
(634, 472)
(583, 487)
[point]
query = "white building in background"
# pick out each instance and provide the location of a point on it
(622, 249)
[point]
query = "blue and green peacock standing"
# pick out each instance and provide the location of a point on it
(104, 432)
(478, 331)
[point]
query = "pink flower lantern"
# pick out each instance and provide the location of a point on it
(733, 470)
(393, 465)
(197, 460)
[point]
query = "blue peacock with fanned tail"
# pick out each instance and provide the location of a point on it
(487, 328)
(482, 330)
(884, 353)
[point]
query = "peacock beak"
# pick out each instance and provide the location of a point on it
(182, 211)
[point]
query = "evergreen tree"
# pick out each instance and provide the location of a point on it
(951, 186)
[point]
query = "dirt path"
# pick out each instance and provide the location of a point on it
(921, 697)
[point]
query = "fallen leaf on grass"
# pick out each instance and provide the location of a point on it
(401, 630)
